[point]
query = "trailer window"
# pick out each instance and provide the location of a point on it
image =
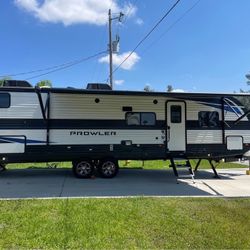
(4, 100)
(175, 114)
(148, 119)
(208, 119)
(143, 119)
(133, 118)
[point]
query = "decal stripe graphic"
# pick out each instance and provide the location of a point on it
(18, 140)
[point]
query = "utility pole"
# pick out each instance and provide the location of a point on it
(113, 45)
(110, 52)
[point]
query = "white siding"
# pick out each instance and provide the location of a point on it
(12, 146)
(204, 136)
(37, 135)
(63, 136)
(83, 106)
(22, 105)
(193, 108)
(244, 133)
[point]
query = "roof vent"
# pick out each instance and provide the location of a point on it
(16, 83)
(98, 86)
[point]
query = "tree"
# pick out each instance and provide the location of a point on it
(248, 83)
(148, 89)
(4, 79)
(44, 83)
(170, 88)
(248, 79)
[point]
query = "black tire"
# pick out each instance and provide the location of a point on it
(83, 169)
(108, 168)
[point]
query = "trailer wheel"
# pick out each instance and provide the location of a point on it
(83, 169)
(2, 167)
(108, 168)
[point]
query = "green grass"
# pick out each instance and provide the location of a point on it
(156, 164)
(151, 223)
(159, 164)
(39, 165)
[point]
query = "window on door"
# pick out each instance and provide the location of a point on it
(175, 111)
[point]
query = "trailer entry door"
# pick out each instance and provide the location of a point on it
(176, 129)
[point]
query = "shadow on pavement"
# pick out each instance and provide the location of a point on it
(40, 183)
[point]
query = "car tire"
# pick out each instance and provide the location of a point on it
(83, 169)
(108, 168)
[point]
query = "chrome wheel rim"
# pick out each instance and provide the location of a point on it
(108, 168)
(83, 168)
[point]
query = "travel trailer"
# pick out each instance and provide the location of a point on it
(94, 128)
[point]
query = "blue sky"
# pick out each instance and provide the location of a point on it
(208, 50)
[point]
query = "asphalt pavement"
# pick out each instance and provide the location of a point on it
(56, 183)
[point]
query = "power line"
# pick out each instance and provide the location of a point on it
(43, 69)
(147, 35)
(68, 65)
(171, 26)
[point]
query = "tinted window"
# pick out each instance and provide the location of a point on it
(133, 118)
(143, 119)
(203, 119)
(148, 119)
(175, 114)
(4, 100)
(213, 119)
(208, 119)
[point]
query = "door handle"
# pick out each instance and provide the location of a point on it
(168, 133)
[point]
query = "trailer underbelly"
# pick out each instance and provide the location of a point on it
(120, 152)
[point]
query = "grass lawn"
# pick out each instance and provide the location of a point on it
(151, 223)
(157, 164)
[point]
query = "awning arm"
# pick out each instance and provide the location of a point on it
(232, 108)
(223, 116)
(38, 92)
(241, 117)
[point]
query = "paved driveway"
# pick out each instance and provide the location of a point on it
(42, 183)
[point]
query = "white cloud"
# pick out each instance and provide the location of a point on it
(118, 59)
(71, 12)
(178, 90)
(29, 5)
(119, 82)
(139, 21)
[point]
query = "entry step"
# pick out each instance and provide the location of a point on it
(175, 164)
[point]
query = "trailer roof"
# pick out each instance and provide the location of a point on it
(117, 92)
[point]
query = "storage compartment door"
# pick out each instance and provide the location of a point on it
(12, 144)
(234, 142)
